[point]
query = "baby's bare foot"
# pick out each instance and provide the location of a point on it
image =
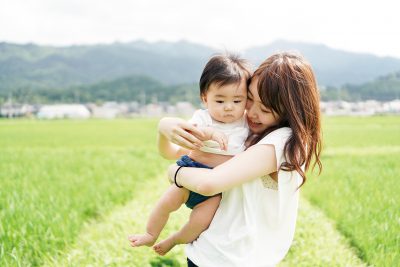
(164, 246)
(142, 240)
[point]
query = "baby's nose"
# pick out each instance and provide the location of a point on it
(228, 106)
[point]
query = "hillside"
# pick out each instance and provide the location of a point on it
(32, 66)
(144, 89)
(137, 88)
(384, 88)
(332, 67)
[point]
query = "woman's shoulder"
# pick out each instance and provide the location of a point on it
(277, 136)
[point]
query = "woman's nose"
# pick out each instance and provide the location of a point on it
(250, 112)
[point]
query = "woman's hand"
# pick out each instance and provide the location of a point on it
(181, 133)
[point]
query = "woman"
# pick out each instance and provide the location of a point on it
(255, 222)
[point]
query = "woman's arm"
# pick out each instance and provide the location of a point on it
(176, 137)
(255, 162)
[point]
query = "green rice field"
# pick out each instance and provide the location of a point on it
(71, 192)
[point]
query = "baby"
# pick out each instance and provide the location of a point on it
(223, 91)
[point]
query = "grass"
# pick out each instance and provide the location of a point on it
(104, 243)
(318, 243)
(358, 187)
(57, 175)
(71, 191)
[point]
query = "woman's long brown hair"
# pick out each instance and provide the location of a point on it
(287, 85)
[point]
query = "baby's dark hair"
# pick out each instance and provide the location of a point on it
(224, 69)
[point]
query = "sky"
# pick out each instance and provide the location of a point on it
(351, 25)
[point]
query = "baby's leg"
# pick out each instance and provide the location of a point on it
(200, 218)
(171, 200)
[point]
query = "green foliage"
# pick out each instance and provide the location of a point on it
(384, 88)
(133, 88)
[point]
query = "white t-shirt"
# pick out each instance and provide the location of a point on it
(255, 222)
(237, 133)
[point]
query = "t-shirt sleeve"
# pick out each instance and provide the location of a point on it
(200, 118)
(278, 139)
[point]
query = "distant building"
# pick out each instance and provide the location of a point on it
(74, 111)
(184, 109)
(108, 110)
(152, 110)
(16, 110)
(392, 106)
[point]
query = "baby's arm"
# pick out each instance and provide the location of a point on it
(212, 134)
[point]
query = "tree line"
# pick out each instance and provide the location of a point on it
(146, 90)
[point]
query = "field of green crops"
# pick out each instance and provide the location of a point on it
(360, 185)
(71, 191)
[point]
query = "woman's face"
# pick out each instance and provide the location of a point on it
(259, 117)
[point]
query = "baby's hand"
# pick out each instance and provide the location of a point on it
(221, 139)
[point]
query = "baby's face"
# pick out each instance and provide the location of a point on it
(226, 103)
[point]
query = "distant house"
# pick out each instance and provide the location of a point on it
(16, 110)
(392, 106)
(111, 110)
(105, 112)
(74, 111)
(184, 109)
(152, 110)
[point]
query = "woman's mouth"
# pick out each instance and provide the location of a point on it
(253, 124)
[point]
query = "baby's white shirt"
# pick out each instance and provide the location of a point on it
(237, 133)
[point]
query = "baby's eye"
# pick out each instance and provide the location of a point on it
(237, 101)
(219, 101)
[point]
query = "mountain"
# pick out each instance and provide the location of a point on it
(32, 67)
(332, 67)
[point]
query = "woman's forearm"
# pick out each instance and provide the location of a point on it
(195, 179)
(255, 162)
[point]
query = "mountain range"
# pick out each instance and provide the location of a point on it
(32, 67)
